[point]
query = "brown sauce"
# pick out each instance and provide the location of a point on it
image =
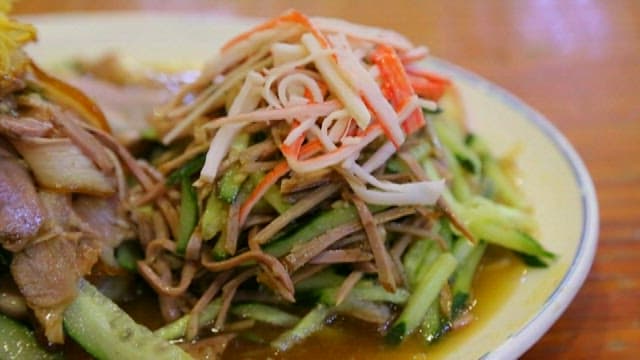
(497, 276)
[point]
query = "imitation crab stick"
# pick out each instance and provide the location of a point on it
(396, 85)
(291, 16)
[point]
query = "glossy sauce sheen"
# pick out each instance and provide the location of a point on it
(497, 277)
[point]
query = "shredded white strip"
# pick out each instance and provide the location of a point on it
(380, 157)
(234, 78)
(415, 54)
(324, 139)
(333, 158)
(333, 127)
(284, 53)
(293, 112)
(408, 108)
(249, 95)
(247, 99)
(383, 185)
(427, 104)
(335, 124)
(387, 150)
(428, 195)
(275, 73)
(363, 82)
(303, 81)
(322, 161)
(328, 68)
(231, 56)
(363, 32)
(299, 130)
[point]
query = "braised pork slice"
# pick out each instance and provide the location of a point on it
(107, 219)
(21, 213)
(47, 274)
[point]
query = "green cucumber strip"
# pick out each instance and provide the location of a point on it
(461, 287)
(413, 257)
(189, 168)
(310, 323)
(128, 254)
(240, 143)
(427, 260)
(265, 313)
(230, 184)
(395, 165)
(533, 261)
(502, 225)
(321, 280)
(178, 328)
(213, 218)
(501, 187)
(318, 225)
(454, 140)
(482, 209)
(368, 291)
(272, 196)
(421, 151)
(188, 215)
(19, 342)
(498, 185)
(233, 178)
(431, 327)
(107, 332)
(458, 184)
(426, 292)
(499, 234)
(461, 249)
(351, 307)
(149, 134)
(218, 252)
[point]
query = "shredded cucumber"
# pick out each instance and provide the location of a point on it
(107, 332)
(19, 342)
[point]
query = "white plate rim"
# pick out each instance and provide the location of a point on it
(558, 301)
(523, 339)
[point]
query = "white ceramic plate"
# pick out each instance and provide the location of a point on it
(553, 176)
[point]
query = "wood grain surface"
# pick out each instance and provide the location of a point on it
(577, 62)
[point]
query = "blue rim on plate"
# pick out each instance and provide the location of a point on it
(523, 339)
(570, 282)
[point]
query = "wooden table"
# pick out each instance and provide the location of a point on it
(578, 62)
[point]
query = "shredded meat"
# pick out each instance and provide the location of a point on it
(210, 348)
(281, 280)
(297, 210)
(348, 285)
(47, 274)
(300, 182)
(302, 254)
(341, 256)
(376, 242)
(366, 311)
(84, 141)
(21, 213)
(24, 126)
